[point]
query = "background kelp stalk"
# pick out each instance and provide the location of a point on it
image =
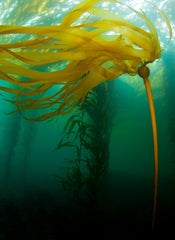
(89, 132)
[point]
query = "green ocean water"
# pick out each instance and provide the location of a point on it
(33, 203)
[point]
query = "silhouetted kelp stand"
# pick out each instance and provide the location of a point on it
(89, 131)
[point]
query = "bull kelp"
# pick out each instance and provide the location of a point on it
(90, 54)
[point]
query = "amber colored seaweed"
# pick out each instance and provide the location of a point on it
(91, 56)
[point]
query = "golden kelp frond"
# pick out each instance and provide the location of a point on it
(90, 54)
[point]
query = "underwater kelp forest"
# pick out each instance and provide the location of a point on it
(87, 99)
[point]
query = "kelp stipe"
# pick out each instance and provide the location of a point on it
(144, 73)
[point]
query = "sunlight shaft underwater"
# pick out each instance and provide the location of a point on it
(87, 55)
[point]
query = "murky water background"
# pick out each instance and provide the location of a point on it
(28, 160)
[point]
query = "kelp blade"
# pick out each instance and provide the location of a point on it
(90, 54)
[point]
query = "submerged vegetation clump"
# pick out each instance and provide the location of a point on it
(89, 133)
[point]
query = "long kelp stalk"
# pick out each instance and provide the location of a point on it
(144, 73)
(10, 146)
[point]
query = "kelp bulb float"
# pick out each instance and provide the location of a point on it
(90, 54)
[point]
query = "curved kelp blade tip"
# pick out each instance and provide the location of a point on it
(82, 55)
